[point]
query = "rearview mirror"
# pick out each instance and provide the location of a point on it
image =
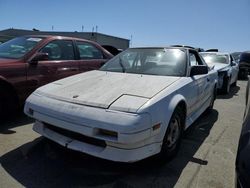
(198, 70)
(39, 57)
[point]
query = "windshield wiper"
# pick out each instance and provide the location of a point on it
(121, 64)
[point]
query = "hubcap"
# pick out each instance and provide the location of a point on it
(174, 132)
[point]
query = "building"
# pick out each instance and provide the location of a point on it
(102, 39)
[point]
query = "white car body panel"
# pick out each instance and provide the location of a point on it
(130, 111)
(231, 71)
(218, 66)
(104, 87)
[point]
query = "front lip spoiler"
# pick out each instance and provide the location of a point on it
(109, 152)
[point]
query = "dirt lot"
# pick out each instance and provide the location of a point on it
(206, 157)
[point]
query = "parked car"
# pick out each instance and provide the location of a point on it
(137, 105)
(226, 66)
(236, 56)
(244, 65)
(29, 62)
(243, 154)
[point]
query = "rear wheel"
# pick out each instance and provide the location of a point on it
(234, 84)
(171, 141)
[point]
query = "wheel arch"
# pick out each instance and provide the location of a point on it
(176, 101)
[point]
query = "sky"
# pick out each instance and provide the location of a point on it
(222, 24)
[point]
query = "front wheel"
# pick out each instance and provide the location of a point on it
(8, 103)
(171, 141)
(226, 85)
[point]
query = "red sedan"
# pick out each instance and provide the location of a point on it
(29, 62)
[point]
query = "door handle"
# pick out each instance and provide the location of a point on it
(67, 69)
(74, 69)
(208, 79)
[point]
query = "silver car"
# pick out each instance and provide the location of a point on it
(226, 66)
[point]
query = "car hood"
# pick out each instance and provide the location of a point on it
(219, 66)
(118, 91)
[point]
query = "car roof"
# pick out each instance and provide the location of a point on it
(217, 53)
(58, 37)
(161, 47)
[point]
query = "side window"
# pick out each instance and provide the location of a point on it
(59, 50)
(88, 51)
(193, 60)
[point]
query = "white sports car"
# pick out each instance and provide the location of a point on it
(137, 105)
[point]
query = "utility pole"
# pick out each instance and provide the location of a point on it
(131, 37)
(52, 28)
(82, 28)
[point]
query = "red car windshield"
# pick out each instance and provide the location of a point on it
(18, 47)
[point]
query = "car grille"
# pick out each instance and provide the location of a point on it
(76, 136)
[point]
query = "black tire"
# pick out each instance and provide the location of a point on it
(8, 103)
(234, 84)
(172, 138)
(226, 85)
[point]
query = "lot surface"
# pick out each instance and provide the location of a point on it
(206, 157)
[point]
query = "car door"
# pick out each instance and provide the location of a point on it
(61, 63)
(90, 56)
(202, 82)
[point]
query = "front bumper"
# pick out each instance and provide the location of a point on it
(106, 152)
(134, 139)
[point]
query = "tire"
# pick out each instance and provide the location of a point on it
(172, 138)
(234, 84)
(226, 85)
(8, 103)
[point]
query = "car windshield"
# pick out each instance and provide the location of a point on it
(236, 55)
(150, 61)
(215, 58)
(18, 47)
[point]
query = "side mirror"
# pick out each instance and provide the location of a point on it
(39, 57)
(198, 70)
